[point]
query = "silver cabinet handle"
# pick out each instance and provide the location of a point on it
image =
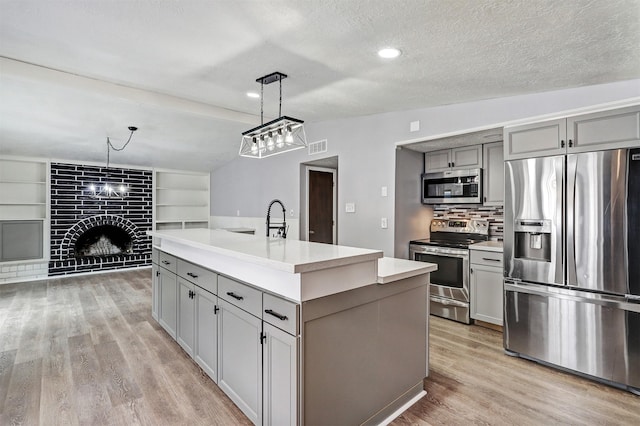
(492, 260)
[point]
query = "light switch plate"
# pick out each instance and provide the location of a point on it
(383, 191)
(414, 126)
(383, 223)
(350, 208)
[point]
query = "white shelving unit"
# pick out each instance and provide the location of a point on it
(181, 199)
(24, 211)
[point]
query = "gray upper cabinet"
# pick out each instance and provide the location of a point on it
(466, 157)
(493, 169)
(604, 130)
(589, 132)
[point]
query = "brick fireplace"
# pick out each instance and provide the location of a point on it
(97, 233)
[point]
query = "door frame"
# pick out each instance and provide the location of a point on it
(335, 200)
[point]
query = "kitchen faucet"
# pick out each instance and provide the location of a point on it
(281, 227)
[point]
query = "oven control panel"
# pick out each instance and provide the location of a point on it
(470, 226)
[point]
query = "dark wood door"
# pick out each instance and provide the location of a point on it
(320, 206)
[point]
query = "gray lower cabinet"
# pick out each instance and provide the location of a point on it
(240, 359)
(487, 298)
(155, 295)
(186, 315)
(280, 377)
(168, 291)
(205, 351)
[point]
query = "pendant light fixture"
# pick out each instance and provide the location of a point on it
(109, 189)
(277, 136)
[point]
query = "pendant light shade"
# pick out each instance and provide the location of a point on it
(277, 136)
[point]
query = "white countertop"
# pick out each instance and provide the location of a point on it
(487, 246)
(391, 269)
(291, 256)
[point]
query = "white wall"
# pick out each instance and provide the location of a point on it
(365, 147)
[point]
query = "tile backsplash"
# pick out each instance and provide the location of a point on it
(495, 214)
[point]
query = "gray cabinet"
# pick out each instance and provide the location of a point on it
(240, 358)
(280, 377)
(493, 169)
(205, 350)
(186, 315)
(466, 157)
(168, 291)
(486, 286)
(155, 294)
(617, 128)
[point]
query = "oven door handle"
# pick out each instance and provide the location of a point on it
(449, 302)
(461, 253)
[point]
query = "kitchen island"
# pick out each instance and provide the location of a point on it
(296, 332)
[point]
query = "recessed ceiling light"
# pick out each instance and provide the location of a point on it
(389, 52)
(253, 94)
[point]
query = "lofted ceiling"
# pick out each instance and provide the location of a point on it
(73, 72)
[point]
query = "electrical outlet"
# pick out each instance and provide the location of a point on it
(383, 223)
(291, 213)
(383, 191)
(237, 212)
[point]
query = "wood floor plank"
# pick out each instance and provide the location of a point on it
(7, 360)
(22, 402)
(121, 388)
(57, 405)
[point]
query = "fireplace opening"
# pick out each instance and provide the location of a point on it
(103, 240)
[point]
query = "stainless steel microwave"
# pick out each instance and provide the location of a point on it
(452, 187)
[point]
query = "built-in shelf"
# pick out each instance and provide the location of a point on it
(23, 209)
(181, 199)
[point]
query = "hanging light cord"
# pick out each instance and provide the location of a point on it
(280, 104)
(261, 102)
(110, 145)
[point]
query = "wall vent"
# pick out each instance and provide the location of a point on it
(317, 147)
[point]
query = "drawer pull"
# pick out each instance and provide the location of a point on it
(165, 262)
(492, 260)
(235, 296)
(192, 275)
(275, 314)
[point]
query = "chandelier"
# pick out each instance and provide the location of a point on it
(109, 189)
(277, 136)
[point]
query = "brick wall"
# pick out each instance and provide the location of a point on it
(72, 202)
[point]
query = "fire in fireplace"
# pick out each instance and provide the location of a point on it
(103, 240)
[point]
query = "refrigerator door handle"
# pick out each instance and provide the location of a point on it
(572, 166)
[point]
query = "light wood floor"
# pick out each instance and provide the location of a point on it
(85, 350)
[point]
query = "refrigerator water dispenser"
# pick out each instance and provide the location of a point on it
(532, 239)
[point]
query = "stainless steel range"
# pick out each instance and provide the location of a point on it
(448, 247)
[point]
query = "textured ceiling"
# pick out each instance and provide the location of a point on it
(76, 71)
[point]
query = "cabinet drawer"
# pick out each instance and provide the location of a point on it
(488, 258)
(281, 313)
(198, 275)
(241, 295)
(167, 261)
(155, 256)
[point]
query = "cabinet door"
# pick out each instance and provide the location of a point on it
(168, 301)
(493, 170)
(487, 294)
(535, 140)
(437, 161)
(206, 344)
(186, 315)
(155, 288)
(240, 359)
(604, 130)
(466, 157)
(280, 377)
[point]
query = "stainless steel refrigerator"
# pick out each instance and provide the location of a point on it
(572, 263)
